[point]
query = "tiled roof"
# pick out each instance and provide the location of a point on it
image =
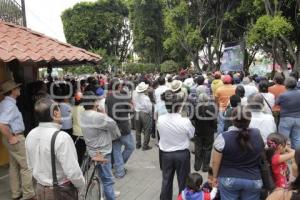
(25, 45)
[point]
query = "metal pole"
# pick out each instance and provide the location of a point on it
(24, 13)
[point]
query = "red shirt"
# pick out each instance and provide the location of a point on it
(279, 171)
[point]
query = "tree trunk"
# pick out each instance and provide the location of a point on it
(196, 62)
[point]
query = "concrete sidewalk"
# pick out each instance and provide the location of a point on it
(142, 182)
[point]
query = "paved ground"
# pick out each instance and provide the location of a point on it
(142, 182)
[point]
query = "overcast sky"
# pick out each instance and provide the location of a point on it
(44, 16)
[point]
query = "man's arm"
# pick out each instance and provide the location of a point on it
(4, 125)
(66, 155)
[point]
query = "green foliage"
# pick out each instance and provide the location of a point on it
(146, 22)
(140, 68)
(183, 39)
(78, 70)
(169, 66)
(98, 25)
(268, 27)
(106, 60)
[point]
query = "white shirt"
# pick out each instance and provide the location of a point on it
(244, 101)
(270, 98)
(141, 103)
(175, 132)
(160, 106)
(101, 105)
(38, 147)
(250, 89)
(158, 92)
(264, 122)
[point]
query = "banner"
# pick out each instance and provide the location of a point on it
(233, 59)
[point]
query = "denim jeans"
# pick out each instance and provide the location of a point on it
(221, 122)
(107, 178)
(290, 128)
(120, 158)
(239, 189)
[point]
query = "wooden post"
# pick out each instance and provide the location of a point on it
(3, 150)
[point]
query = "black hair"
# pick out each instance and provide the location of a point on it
(200, 80)
(241, 119)
(114, 85)
(295, 74)
(44, 108)
(161, 80)
(296, 184)
(263, 86)
(89, 99)
(273, 141)
(240, 91)
(194, 182)
(235, 100)
(279, 79)
(172, 100)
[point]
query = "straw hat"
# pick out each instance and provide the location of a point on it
(8, 86)
(176, 85)
(142, 87)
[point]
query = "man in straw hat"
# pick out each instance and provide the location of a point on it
(143, 120)
(12, 128)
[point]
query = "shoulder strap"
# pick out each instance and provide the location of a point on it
(55, 182)
(267, 102)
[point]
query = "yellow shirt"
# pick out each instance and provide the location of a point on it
(76, 111)
(215, 85)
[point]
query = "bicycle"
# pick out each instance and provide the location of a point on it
(93, 190)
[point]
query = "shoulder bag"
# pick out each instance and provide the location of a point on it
(66, 190)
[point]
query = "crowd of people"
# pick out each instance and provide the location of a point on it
(232, 119)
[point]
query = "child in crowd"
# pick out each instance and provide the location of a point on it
(208, 186)
(193, 189)
(278, 153)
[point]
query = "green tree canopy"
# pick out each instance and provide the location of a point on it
(146, 22)
(99, 25)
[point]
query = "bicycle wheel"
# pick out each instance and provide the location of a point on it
(93, 191)
(86, 168)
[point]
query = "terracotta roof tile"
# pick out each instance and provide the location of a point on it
(17, 42)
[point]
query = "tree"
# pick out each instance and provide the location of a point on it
(146, 22)
(99, 26)
(277, 31)
(182, 30)
(204, 25)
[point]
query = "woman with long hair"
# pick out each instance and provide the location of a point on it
(236, 159)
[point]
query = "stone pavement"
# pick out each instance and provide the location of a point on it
(142, 182)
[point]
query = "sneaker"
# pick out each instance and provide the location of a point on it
(138, 146)
(117, 194)
(146, 148)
